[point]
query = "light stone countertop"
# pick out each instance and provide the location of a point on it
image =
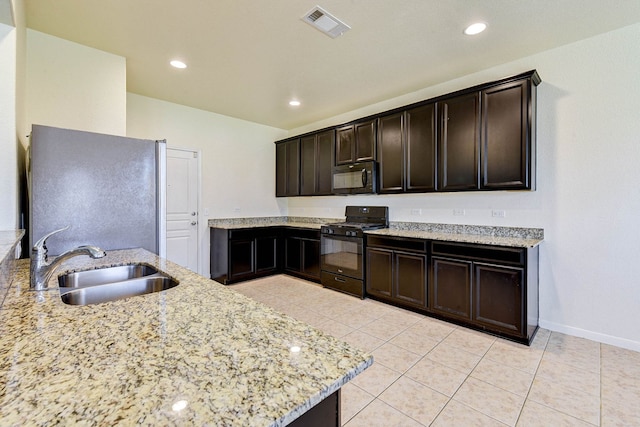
(8, 240)
(276, 221)
(517, 237)
(482, 239)
(129, 361)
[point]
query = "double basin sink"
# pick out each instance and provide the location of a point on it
(112, 283)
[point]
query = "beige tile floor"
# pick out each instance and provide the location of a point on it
(428, 372)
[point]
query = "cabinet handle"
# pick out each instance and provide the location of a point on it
(338, 279)
(364, 177)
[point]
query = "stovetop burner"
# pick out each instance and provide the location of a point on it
(359, 219)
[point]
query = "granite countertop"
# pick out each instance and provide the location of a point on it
(518, 237)
(461, 237)
(277, 221)
(8, 240)
(131, 360)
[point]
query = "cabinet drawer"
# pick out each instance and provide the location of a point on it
(476, 252)
(413, 245)
(251, 233)
(343, 284)
(303, 233)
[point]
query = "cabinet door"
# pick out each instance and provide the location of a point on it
(266, 254)
(345, 145)
(505, 145)
(324, 161)
(498, 297)
(288, 168)
(308, 166)
(241, 258)
(293, 168)
(311, 258)
(281, 169)
(292, 252)
(379, 272)
(410, 281)
(365, 133)
(458, 141)
(451, 287)
(420, 148)
(391, 153)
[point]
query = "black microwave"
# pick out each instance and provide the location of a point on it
(354, 178)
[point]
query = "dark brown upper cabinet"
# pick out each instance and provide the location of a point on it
(479, 138)
(458, 142)
(407, 150)
(288, 168)
(507, 146)
(316, 162)
(356, 142)
(391, 141)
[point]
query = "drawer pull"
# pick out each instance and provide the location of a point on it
(338, 279)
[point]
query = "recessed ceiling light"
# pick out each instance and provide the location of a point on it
(294, 103)
(476, 28)
(178, 64)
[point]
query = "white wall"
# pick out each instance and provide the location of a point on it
(74, 86)
(588, 197)
(8, 144)
(237, 159)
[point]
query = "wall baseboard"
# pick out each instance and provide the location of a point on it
(594, 336)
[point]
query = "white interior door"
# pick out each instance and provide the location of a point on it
(182, 207)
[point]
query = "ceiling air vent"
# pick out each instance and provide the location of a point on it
(325, 22)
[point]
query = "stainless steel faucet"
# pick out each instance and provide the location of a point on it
(42, 270)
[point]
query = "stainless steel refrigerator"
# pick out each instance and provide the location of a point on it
(109, 189)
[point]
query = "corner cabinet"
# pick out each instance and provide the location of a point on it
(288, 168)
(247, 253)
(242, 254)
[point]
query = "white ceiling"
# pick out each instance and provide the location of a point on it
(247, 59)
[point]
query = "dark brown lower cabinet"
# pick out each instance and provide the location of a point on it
(451, 287)
(394, 274)
(243, 254)
(302, 254)
(491, 288)
(498, 302)
(249, 253)
(324, 414)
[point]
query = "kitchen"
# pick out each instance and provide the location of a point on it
(586, 288)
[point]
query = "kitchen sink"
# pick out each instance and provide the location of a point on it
(112, 283)
(101, 276)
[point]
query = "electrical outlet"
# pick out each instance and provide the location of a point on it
(458, 212)
(206, 212)
(416, 211)
(498, 213)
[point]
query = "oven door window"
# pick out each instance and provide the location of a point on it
(342, 256)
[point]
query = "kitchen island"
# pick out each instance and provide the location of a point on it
(196, 354)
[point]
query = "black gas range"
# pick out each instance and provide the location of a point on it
(342, 248)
